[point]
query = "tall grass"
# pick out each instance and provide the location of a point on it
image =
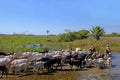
(18, 43)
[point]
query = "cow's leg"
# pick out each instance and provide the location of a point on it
(61, 65)
(6, 73)
(2, 73)
(71, 66)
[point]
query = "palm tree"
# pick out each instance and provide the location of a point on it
(97, 31)
(47, 31)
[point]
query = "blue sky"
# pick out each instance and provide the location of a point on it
(37, 16)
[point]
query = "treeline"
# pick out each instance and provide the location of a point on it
(95, 32)
(71, 36)
(114, 34)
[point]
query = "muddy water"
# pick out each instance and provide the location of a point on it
(115, 70)
(109, 74)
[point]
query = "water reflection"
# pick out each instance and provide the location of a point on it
(115, 56)
(36, 46)
(116, 66)
(116, 60)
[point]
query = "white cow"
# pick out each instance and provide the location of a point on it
(19, 61)
(38, 56)
(18, 55)
(99, 62)
(30, 56)
(108, 62)
(77, 50)
(38, 65)
(4, 61)
(89, 62)
(2, 56)
(18, 67)
(64, 54)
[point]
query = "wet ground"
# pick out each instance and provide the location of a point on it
(112, 73)
(115, 70)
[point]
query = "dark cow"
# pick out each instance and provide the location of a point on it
(4, 70)
(77, 60)
(50, 63)
(73, 62)
(3, 53)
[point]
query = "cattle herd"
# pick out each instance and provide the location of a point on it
(34, 61)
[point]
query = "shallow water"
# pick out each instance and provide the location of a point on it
(115, 70)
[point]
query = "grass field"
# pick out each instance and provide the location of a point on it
(18, 43)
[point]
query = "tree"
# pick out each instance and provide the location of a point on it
(97, 31)
(66, 37)
(83, 34)
(71, 36)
